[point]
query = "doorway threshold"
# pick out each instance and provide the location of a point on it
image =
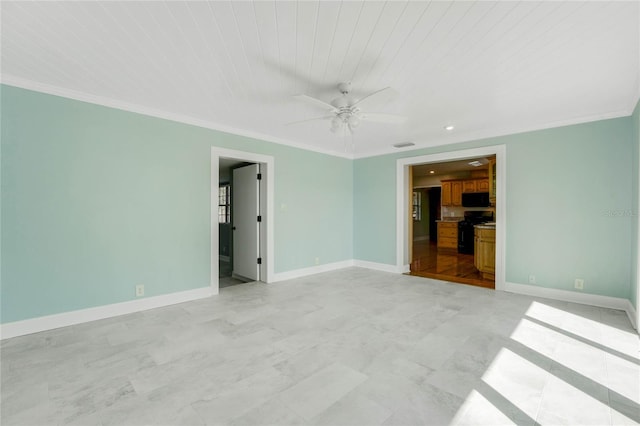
(456, 280)
(446, 265)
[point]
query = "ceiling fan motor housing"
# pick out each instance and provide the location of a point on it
(344, 88)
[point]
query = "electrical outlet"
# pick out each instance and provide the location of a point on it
(579, 283)
(532, 279)
(317, 260)
(139, 290)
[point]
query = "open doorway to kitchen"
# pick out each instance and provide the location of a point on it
(468, 245)
(241, 217)
(446, 227)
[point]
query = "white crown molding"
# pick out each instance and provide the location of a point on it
(50, 322)
(303, 272)
(489, 134)
(19, 82)
(22, 83)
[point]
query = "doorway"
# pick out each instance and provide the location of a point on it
(239, 222)
(404, 187)
(449, 252)
(241, 197)
(433, 197)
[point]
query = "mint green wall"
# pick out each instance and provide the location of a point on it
(96, 200)
(374, 209)
(565, 189)
(633, 291)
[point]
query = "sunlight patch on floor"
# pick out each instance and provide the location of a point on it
(558, 368)
(477, 409)
(619, 340)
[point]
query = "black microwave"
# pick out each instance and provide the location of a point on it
(475, 199)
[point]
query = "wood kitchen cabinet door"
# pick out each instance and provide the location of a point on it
(482, 185)
(448, 235)
(446, 193)
(456, 193)
(485, 252)
(469, 185)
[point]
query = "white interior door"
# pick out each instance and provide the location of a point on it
(246, 228)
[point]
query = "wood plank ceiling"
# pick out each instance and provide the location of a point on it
(486, 67)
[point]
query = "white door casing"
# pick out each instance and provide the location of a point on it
(402, 222)
(267, 166)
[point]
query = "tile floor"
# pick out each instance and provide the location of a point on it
(225, 278)
(350, 347)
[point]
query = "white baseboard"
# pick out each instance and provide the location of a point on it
(378, 266)
(632, 314)
(303, 272)
(49, 322)
(575, 297)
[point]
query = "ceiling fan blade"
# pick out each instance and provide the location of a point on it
(324, 117)
(314, 101)
(382, 117)
(367, 99)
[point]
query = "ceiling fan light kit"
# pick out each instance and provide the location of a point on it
(345, 113)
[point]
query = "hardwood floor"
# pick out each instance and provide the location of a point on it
(445, 264)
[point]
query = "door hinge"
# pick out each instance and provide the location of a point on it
(259, 176)
(259, 218)
(259, 261)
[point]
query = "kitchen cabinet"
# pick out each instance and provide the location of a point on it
(451, 193)
(475, 185)
(453, 189)
(446, 193)
(482, 185)
(485, 251)
(448, 235)
(469, 185)
(456, 193)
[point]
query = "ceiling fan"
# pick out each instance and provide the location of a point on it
(345, 112)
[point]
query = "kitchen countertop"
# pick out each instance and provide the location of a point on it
(488, 225)
(450, 219)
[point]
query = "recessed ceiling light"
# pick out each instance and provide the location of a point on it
(449, 127)
(432, 171)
